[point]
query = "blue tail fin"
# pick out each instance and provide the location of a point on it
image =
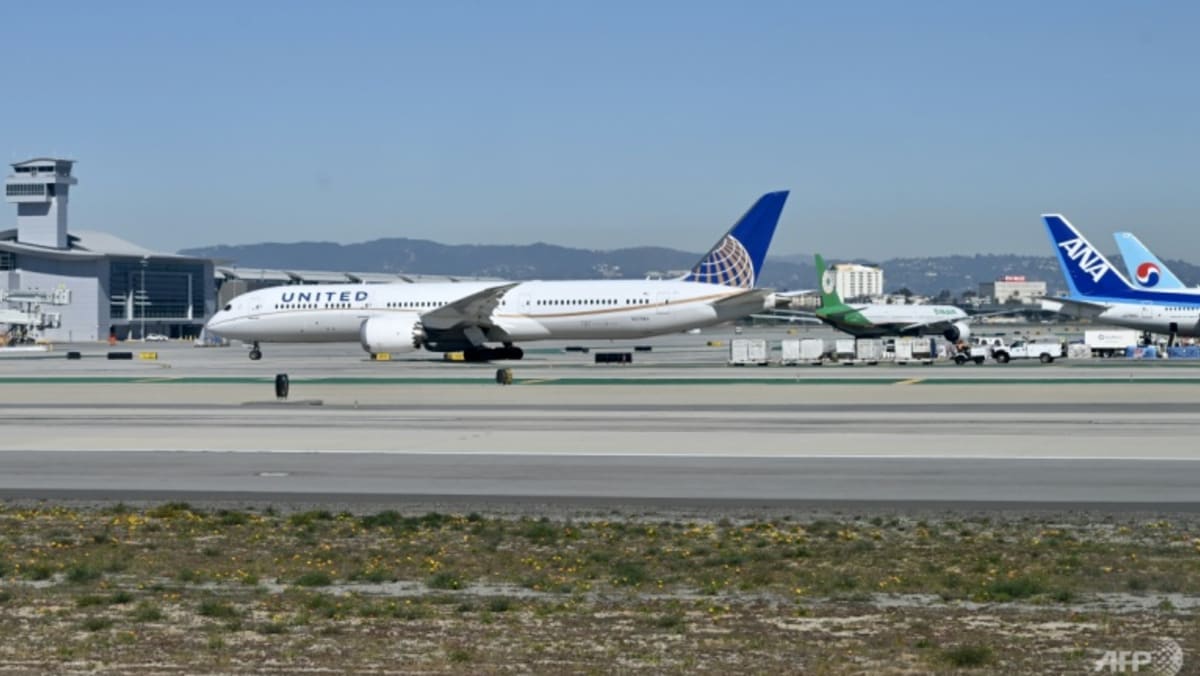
(737, 258)
(1087, 271)
(1144, 269)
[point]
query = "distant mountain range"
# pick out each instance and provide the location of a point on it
(926, 276)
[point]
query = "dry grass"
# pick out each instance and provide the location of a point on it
(177, 588)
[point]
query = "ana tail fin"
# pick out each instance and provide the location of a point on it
(1087, 271)
(1144, 269)
(737, 258)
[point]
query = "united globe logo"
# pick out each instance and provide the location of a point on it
(1148, 274)
(729, 264)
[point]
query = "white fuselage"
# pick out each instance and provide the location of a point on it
(604, 309)
(1154, 317)
(910, 314)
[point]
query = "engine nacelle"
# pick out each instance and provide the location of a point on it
(957, 331)
(395, 335)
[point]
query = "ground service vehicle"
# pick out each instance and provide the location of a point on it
(1110, 342)
(1044, 352)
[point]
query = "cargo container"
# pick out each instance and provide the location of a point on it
(744, 351)
(843, 350)
(812, 350)
(803, 351)
(913, 350)
(789, 352)
(868, 350)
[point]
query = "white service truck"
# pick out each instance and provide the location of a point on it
(1043, 351)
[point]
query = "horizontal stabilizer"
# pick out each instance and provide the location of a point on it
(748, 297)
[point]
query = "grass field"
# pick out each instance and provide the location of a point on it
(175, 589)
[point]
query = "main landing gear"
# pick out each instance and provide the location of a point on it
(255, 353)
(478, 354)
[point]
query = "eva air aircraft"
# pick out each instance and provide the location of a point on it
(871, 320)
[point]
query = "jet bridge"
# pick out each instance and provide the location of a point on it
(25, 317)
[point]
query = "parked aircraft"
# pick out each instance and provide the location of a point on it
(466, 316)
(1144, 268)
(873, 319)
(1099, 291)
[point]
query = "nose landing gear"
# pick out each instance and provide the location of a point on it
(255, 352)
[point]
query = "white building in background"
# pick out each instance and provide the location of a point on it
(108, 286)
(1013, 288)
(854, 281)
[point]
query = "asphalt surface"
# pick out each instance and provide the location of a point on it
(379, 478)
(677, 428)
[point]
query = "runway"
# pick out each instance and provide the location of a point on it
(572, 479)
(1070, 445)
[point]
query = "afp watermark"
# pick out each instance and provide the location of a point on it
(1164, 659)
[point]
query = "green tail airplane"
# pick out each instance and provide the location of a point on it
(872, 320)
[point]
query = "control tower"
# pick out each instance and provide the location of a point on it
(40, 187)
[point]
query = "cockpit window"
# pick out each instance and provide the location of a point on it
(229, 307)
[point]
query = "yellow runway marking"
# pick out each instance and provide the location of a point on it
(911, 381)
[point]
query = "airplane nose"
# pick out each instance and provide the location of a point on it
(214, 323)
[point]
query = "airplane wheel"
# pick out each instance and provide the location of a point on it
(255, 354)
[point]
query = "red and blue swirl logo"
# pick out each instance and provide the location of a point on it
(1148, 274)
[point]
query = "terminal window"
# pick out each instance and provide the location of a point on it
(169, 289)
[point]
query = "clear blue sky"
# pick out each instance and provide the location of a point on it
(901, 128)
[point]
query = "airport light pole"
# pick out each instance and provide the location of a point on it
(142, 295)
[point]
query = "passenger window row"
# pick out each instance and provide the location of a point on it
(311, 306)
(594, 301)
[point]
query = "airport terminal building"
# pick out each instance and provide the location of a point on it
(86, 285)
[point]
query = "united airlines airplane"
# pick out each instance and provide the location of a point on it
(462, 316)
(1098, 290)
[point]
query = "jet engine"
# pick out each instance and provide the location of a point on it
(391, 334)
(957, 331)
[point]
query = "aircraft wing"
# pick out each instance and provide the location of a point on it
(473, 310)
(968, 319)
(1071, 306)
(794, 318)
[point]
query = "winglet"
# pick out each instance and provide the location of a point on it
(737, 258)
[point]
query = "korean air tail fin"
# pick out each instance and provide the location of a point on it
(1144, 268)
(737, 258)
(1087, 271)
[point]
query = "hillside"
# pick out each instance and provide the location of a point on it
(548, 261)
